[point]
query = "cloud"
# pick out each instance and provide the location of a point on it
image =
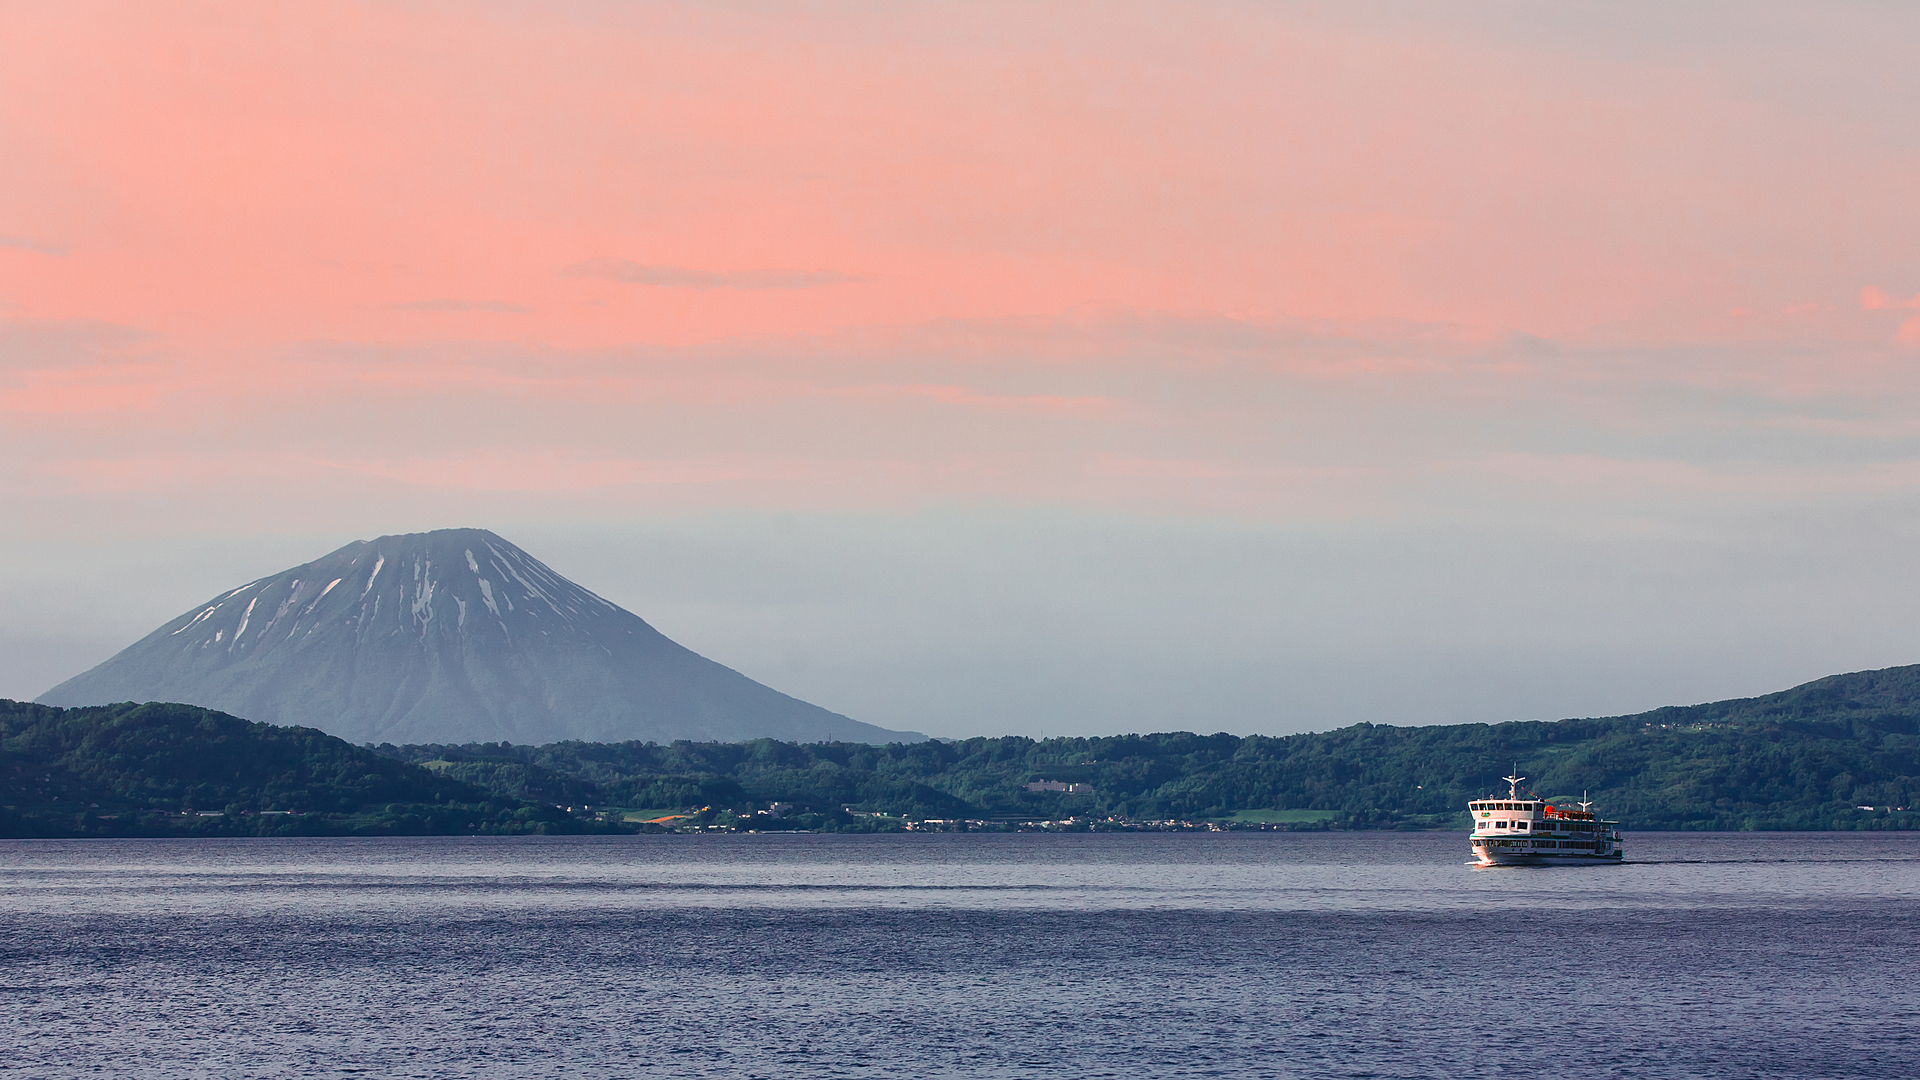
(53, 344)
(680, 277)
(37, 246)
(960, 395)
(1909, 332)
(1874, 299)
(459, 305)
(556, 470)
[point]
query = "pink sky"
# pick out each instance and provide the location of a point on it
(334, 270)
(259, 174)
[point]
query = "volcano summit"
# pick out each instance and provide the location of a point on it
(450, 636)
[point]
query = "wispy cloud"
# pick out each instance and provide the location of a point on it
(960, 395)
(40, 247)
(556, 470)
(459, 305)
(52, 344)
(681, 277)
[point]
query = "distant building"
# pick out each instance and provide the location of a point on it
(1057, 785)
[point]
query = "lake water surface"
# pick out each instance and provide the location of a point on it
(981, 955)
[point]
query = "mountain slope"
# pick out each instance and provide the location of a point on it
(448, 636)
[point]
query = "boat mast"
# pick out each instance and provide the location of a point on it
(1513, 784)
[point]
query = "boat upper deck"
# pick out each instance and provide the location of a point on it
(1532, 809)
(1534, 816)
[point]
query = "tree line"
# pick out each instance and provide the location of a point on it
(1839, 753)
(1813, 757)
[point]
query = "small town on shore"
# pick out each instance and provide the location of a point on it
(783, 818)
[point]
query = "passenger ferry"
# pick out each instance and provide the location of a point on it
(1521, 830)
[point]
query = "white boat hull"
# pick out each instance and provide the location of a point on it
(1503, 856)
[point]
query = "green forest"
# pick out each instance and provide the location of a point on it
(1814, 757)
(1839, 753)
(179, 770)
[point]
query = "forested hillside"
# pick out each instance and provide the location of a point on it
(1807, 758)
(161, 769)
(1839, 753)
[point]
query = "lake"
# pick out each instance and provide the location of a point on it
(1249, 954)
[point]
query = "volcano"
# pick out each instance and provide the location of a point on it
(452, 636)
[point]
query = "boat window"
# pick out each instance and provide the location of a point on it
(1519, 824)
